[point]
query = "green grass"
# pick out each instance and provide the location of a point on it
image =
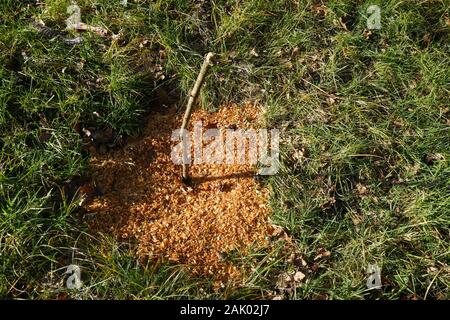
(365, 139)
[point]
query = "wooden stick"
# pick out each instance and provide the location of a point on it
(192, 97)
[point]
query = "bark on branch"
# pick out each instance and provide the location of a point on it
(192, 98)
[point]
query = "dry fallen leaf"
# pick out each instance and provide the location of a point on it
(361, 189)
(322, 253)
(299, 276)
(102, 32)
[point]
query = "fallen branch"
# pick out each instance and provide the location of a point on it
(192, 97)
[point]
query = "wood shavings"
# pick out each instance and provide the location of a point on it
(224, 209)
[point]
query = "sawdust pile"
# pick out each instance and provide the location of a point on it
(144, 200)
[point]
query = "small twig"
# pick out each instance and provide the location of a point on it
(192, 97)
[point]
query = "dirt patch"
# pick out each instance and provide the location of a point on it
(143, 199)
